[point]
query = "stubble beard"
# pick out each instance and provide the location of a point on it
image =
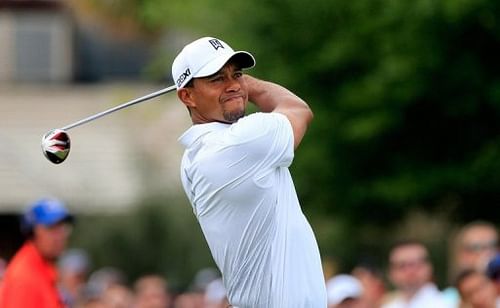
(233, 116)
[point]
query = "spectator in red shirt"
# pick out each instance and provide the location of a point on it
(30, 279)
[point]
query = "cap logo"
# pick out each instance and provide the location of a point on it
(183, 77)
(216, 44)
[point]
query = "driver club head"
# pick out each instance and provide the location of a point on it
(56, 145)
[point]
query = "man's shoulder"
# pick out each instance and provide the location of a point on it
(259, 124)
(22, 274)
(262, 117)
(24, 264)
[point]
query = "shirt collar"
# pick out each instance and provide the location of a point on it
(198, 130)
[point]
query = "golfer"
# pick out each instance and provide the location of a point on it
(235, 174)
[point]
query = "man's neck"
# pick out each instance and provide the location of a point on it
(409, 293)
(45, 257)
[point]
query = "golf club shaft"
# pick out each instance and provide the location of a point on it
(119, 107)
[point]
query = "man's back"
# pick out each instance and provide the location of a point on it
(237, 180)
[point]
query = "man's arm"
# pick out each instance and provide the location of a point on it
(270, 97)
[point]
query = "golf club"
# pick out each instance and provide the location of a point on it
(56, 143)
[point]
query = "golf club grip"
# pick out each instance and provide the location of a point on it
(119, 107)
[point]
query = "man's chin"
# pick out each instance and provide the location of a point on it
(234, 116)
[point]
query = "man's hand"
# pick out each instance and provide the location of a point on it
(271, 97)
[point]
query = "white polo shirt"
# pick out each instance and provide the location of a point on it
(237, 180)
(428, 296)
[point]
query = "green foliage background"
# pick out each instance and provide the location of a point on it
(406, 96)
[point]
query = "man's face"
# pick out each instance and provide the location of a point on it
(477, 290)
(51, 240)
(409, 267)
(477, 247)
(221, 97)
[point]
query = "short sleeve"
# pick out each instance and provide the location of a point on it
(264, 136)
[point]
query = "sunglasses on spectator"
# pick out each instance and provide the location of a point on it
(480, 246)
(400, 265)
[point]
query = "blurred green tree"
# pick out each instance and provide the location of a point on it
(406, 96)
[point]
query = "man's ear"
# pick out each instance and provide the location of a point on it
(186, 97)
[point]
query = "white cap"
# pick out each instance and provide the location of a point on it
(342, 287)
(205, 57)
(215, 292)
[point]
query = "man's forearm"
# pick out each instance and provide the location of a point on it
(271, 97)
(268, 96)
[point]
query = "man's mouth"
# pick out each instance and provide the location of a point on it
(232, 97)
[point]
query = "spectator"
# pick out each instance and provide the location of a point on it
(477, 290)
(189, 300)
(344, 291)
(411, 273)
(215, 295)
(203, 278)
(117, 296)
(472, 247)
(152, 291)
(194, 296)
(475, 244)
(73, 267)
(30, 278)
(99, 282)
(372, 280)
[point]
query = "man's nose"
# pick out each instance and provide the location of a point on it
(233, 85)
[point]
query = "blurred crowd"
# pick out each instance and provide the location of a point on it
(408, 280)
(107, 287)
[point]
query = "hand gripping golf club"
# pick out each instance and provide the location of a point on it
(56, 142)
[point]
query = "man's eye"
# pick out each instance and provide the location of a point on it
(217, 78)
(238, 74)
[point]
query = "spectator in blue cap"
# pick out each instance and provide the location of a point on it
(30, 277)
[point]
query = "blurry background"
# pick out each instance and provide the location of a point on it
(405, 141)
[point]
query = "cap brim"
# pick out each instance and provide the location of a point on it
(55, 219)
(242, 58)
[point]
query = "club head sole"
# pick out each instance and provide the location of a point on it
(56, 145)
